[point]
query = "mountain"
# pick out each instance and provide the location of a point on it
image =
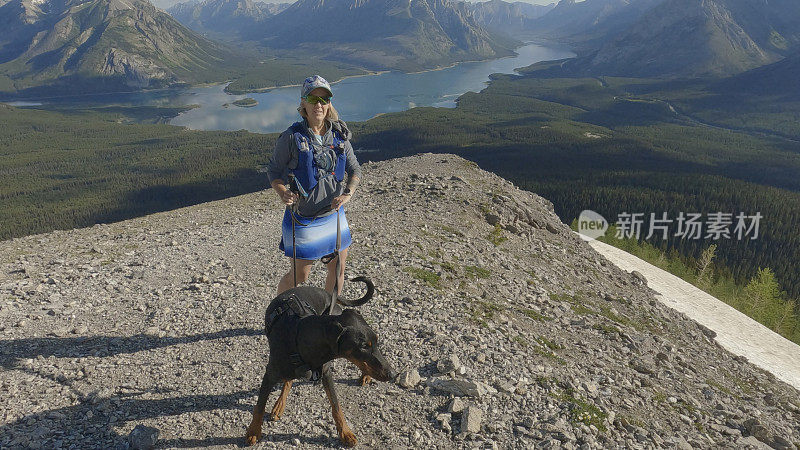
(587, 24)
(101, 45)
(776, 79)
(507, 18)
(396, 34)
(508, 330)
(225, 17)
(699, 38)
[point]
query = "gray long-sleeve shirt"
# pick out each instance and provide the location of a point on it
(284, 158)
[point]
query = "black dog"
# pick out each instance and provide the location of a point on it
(303, 340)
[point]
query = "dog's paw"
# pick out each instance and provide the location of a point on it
(252, 436)
(274, 416)
(365, 380)
(348, 439)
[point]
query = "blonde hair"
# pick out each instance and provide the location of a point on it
(332, 115)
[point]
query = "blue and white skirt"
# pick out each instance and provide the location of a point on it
(314, 238)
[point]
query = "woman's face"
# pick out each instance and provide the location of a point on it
(318, 112)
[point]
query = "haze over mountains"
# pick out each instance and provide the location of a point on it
(697, 38)
(384, 34)
(379, 34)
(588, 23)
(673, 38)
(225, 19)
(511, 19)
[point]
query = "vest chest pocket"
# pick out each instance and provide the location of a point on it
(301, 142)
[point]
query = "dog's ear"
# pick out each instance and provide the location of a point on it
(350, 340)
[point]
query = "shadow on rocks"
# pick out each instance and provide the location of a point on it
(101, 346)
(90, 423)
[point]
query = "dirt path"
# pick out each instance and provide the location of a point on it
(735, 331)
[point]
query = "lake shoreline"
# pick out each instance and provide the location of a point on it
(366, 98)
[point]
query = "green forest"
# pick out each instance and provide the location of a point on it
(62, 171)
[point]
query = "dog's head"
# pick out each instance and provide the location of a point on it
(358, 343)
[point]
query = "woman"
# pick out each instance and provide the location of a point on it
(314, 155)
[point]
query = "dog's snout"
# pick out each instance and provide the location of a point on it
(386, 370)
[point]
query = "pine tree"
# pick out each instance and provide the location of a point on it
(761, 296)
(704, 269)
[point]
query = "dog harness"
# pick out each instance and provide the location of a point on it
(314, 164)
(294, 308)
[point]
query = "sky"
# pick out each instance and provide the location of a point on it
(164, 4)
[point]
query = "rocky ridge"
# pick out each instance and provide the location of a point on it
(508, 331)
(407, 35)
(101, 45)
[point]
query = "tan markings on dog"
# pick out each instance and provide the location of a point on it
(345, 435)
(254, 430)
(280, 404)
(364, 367)
(365, 380)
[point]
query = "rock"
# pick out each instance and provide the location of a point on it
(471, 420)
(492, 219)
(448, 364)
(708, 332)
(461, 388)
(639, 277)
(757, 430)
(682, 444)
(143, 437)
(751, 442)
(444, 421)
(590, 388)
(409, 378)
(455, 406)
(782, 443)
(642, 366)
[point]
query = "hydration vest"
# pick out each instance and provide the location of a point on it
(311, 165)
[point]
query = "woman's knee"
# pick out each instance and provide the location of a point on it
(303, 269)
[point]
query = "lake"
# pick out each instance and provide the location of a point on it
(357, 98)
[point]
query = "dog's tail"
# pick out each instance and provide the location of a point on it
(362, 300)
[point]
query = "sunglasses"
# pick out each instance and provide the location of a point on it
(313, 99)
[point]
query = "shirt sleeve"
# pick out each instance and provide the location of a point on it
(281, 160)
(353, 168)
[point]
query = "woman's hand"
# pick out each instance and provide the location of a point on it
(288, 197)
(339, 201)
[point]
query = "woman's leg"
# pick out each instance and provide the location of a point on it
(303, 271)
(331, 277)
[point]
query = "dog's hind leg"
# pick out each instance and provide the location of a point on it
(254, 430)
(345, 435)
(277, 410)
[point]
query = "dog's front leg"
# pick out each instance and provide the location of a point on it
(254, 430)
(277, 410)
(345, 435)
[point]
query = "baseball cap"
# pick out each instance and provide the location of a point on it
(314, 82)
